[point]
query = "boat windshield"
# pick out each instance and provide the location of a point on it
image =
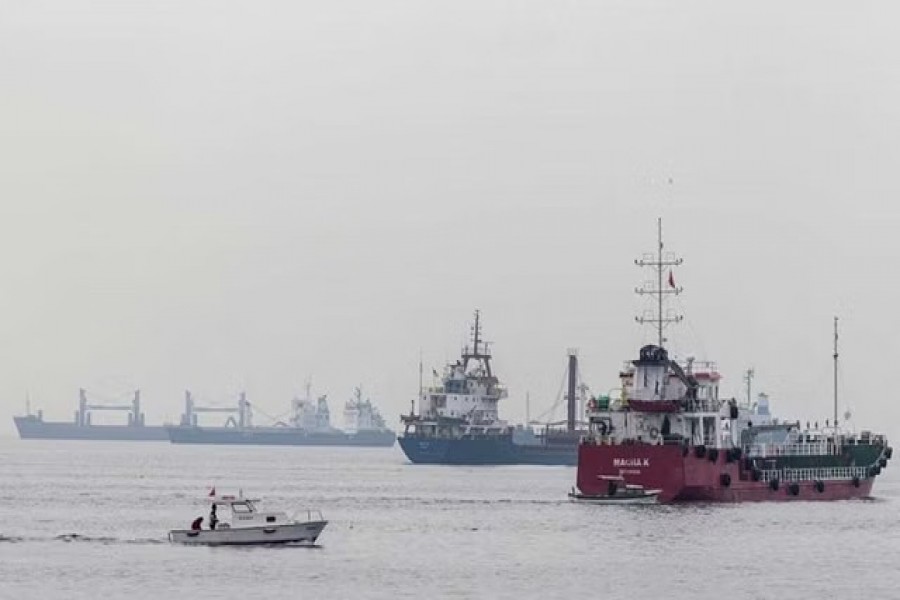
(242, 507)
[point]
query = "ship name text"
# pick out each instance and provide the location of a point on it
(631, 462)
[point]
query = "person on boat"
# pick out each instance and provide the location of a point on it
(195, 524)
(213, 519)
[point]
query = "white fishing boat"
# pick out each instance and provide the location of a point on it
(248, 525)
(617, 492)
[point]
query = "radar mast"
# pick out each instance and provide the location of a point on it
(476, 353)
(658, 263)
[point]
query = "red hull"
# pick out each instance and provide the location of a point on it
(687, 478)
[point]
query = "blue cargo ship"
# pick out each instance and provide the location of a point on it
(459, 424)
(519, 446)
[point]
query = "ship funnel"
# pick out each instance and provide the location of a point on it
(137, 417)
(188, 418)
(573, 382)
(81, 416)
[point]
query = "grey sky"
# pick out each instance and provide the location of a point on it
(224, 195)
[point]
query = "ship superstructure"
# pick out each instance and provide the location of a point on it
(459, 420)
(311, 415)
(670, 429)
(466, 399)
(361, 415)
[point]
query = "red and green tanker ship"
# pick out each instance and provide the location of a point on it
(671, 432)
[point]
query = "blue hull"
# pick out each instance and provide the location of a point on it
(486, 451)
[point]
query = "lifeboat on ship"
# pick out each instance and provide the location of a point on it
(617, 492)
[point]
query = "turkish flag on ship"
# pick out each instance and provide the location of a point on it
(212, 491)
(671, 279)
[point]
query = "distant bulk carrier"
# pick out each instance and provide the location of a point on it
(33, 426)
(309, 425)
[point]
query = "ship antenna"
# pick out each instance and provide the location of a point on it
(659, 263)
(420, 382)
(835, 379)
(477, 330)
(527, 408)
(748, 377)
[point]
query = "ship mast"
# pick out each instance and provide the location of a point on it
(835, 379)
(413, 409)
(475, 353)
(477, 330)
(748, 377)
(659, 263)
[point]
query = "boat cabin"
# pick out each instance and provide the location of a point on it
(244, 513)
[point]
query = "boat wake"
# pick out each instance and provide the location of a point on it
(285, 546)
(70, 538)
(80, 538)
(77, 537)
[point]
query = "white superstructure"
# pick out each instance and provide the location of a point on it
(311, 415)
(361, 415)
(465, 403)
(468, 392)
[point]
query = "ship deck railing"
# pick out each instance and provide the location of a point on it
(812, 474)
(803, 449)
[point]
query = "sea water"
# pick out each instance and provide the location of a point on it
(83, 520)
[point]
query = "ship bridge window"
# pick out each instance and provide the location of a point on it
(456, 387)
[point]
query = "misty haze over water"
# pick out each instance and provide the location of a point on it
(231, 196)
(227, 197)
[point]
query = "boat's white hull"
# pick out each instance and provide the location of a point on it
(612, 500)
(292, 533)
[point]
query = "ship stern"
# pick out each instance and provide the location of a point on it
(655, 467)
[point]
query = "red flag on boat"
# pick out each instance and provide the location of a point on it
(212, 491)
(671, 279)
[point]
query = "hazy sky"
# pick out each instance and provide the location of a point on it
(240, 195)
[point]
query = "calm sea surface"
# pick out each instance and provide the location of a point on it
(89, 520)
